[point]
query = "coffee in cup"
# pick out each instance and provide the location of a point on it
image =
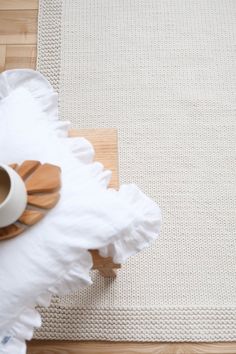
(5, 185)
(13, 196)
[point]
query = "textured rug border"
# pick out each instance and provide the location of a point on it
(49, 41)
(141, 325)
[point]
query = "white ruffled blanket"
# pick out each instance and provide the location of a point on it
(52, 257)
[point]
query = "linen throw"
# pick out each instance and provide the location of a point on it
(163, 73)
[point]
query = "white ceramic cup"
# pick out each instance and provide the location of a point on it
(13, 196)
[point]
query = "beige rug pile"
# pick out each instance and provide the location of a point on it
(163, 73)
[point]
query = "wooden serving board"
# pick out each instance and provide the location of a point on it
(42, 183)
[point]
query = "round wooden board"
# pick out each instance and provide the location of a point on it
(42, 183)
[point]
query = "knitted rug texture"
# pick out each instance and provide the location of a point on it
(164, 74)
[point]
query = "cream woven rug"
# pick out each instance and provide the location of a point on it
(163, 73)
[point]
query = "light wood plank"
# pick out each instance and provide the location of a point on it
(20, 56)
(18, 26)
(18, 4)
(2, 57)
(60, 347)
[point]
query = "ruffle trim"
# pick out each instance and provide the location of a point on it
(143, 230)
(74, 278)
(138, 235)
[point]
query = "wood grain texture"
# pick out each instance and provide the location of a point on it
(45, 201)
(37, 183)
(18, 26)
(3, 50)
(18, 34)
(20, 53)
(31, 217)
(18, 4)
(60, 347)
(11, 231)
(26, 168)
(20, 56)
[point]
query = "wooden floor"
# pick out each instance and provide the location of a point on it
(18, 33)
(129, 348)
(18, 40)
